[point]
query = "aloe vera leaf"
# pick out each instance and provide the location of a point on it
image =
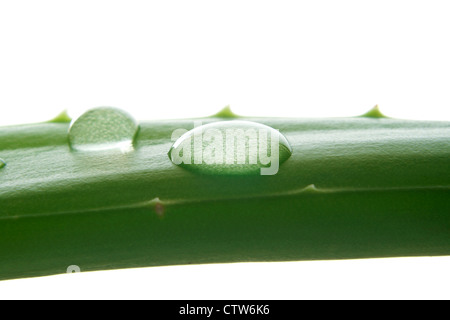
(358, 187)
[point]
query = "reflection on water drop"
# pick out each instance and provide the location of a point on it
(2, 163)
(231, 148)
(103, 128)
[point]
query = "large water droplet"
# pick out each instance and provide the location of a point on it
(231, 148)
(102, 129)
(2, 163)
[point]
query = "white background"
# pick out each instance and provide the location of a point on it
(175, 59)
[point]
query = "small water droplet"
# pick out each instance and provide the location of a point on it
(2, 163)
(102, 129)
(231, 148)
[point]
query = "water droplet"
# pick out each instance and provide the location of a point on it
(231, 148)
(102, 129)
(2, 163)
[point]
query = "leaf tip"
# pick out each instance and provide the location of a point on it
(374, 113)
(310, 189)
(225, 113)
(63, 117)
